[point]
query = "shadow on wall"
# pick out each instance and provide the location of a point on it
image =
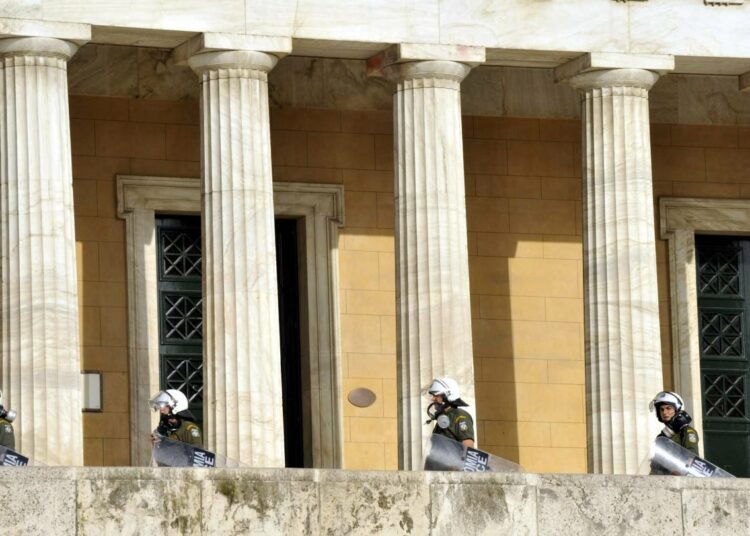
(528, 354)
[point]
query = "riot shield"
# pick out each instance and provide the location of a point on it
(445, 454)
(669, 458)
(11, 458)
(170, 453)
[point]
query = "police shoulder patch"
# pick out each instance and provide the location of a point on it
(7, 428)
(692, 437)
(463, 426)
(195, 432)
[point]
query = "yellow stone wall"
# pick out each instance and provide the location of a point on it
(523, 190)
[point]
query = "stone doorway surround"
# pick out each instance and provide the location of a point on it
(321, 209)
(681, 219)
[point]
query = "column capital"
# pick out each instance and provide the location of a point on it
(588, 70)
(232, 59)
(635, 78)
(37, 46)
(451, 71)
(416, 60)
(219, 42)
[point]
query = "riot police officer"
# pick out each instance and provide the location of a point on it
(669, 410)
(176, 421)
(450, 420)
(7, 436)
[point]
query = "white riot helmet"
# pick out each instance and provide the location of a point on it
(171, 398)
(448, 387)
(666, 397)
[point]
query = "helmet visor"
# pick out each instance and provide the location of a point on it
(162, 400)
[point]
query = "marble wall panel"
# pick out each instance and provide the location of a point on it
(517, 92)
(688, 28)
(578, 24)
(138, 506)
(483, 508)
(21, 9)
(362, 503)
(243, 506)
(321, 83)
(596, 506)
(195, 15)
(36, 499)
(716, 511)
(160, 78)
(302, 82)
(104, 70)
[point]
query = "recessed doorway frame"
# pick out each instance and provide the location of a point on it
(681, 218)
(320, 207)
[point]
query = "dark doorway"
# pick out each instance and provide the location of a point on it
(723, 266)
(287, 270)
(181, 320)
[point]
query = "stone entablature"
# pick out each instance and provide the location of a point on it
(707, 38)
(229, 501)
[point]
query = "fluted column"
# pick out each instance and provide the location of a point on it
(244, 413)
(623, 349)
(40, 350)
(432, 263)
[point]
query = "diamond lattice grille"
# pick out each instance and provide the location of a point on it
(719, 272)
(724, 395)
(185, 374)
(181, 254)
(183, 317)
(721, 334)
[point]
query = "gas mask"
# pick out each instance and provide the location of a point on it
(436, 412)
(168, 424)
(7, 414)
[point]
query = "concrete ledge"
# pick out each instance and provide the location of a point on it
(288, 501)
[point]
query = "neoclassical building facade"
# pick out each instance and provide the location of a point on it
(299, 213)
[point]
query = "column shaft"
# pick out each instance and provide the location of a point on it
(432, 270)
(623, 349)
(39, 295)
(244, 412)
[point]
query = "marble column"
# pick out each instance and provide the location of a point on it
(244, 412)
(41, 368)
(623, 349)
(432, 263)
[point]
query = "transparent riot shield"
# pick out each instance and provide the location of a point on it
(669, 458)
(170, 453)
(445, 454)
(11, 458)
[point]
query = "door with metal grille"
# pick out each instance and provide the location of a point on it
(181, 308)
(723, 266)
(181, 322)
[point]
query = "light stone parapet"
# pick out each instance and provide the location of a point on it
(311, 502)
(244, 408)
(432, 272)
(38, 284)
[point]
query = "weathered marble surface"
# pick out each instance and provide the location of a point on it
(302, 82)
(329, 502)
(244, 397)
(38, 290)
(432, 271)
(622, 332)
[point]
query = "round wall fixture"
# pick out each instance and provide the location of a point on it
(361, 397)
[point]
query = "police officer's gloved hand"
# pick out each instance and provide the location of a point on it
(678, 422)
